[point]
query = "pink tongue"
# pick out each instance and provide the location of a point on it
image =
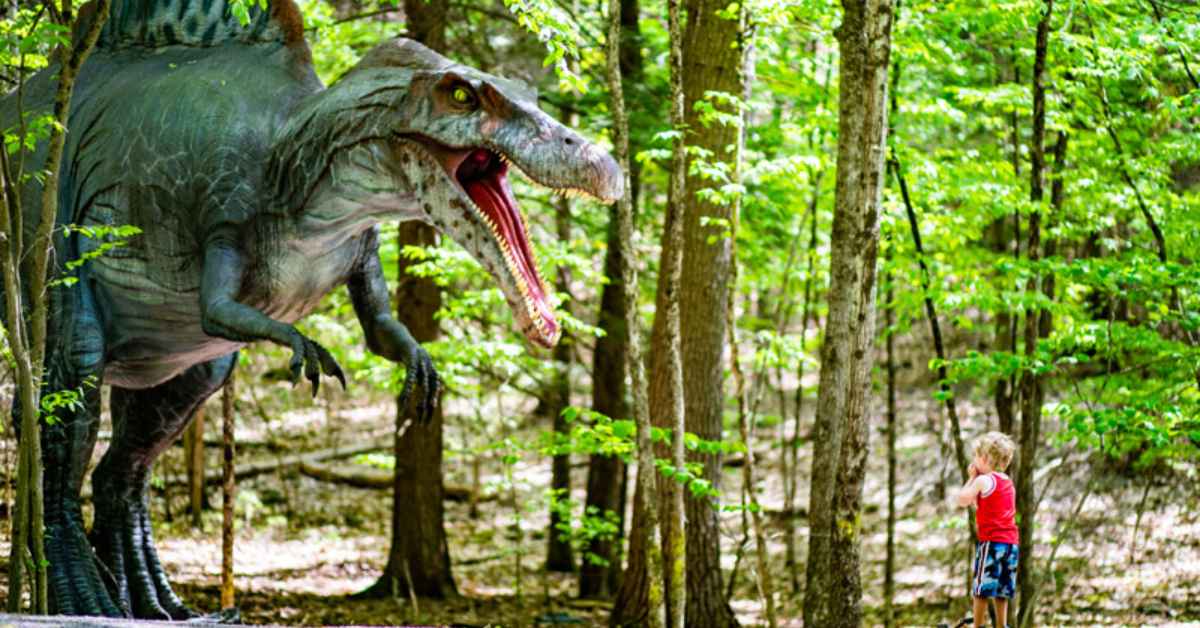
(496, 202)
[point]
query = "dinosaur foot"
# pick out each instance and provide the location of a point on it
(124, 542)
(76, 583)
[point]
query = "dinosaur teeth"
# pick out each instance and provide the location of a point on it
(511, 264)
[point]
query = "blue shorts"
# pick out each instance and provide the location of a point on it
(995, 573)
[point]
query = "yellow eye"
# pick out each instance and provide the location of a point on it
(461, 96)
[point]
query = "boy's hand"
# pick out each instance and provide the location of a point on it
(972, 471)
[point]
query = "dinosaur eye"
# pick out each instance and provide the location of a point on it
(463, 96)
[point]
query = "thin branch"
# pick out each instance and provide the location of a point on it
(1158, 18)
(935, 328)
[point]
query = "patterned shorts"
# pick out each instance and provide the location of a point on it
(995, 573)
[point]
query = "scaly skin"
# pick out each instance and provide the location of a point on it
(257, 191)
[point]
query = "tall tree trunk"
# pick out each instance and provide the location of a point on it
(193, 453)
(607, 475)
(889, 569)
(419, 558)
(1004, 390)
(712, 60)
(746, 411)
(559, 556)
(640, 598)
(229, 492)
(666, 383)
(1031, 383)
(834, 592)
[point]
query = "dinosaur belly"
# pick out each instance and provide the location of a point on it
(152, 331)
(153, 327)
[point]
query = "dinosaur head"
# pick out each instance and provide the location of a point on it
(458, 134)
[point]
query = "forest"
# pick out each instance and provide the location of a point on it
(808, 307)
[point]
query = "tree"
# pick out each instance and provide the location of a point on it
(1032, 382)
(28, 291)
(834, 592)
(557, 396)
(640, 599)
(666, 384)
(712, 60)
(194, 463)
(419, 558)
(607, 475)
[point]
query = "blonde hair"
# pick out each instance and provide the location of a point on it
(997, 448)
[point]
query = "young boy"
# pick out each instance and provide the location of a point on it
(996, 554)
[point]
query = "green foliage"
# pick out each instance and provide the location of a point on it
(53, 401)
(1119, 358)
(27, 38)
(107, 239)
(241, 8)
(592, 525)
(558, 31)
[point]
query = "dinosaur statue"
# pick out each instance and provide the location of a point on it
(257, 191)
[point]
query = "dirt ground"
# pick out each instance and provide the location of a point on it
(303, 546)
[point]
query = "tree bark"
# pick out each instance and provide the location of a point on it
(746, 413)
(559, 556)
(640, 598)
(1004, 389)
(419, 555)
(607, 475)
(711, 60)
(834, 592)
(359, 476)
(1032, 391)
(666, 383)
(606, 481)
(193, 448)
(229, 494)
(889, 568)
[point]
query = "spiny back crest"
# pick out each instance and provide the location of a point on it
(155, 23)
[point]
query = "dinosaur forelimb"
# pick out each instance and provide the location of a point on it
(314, 359)
(421, 375)
(224, 317)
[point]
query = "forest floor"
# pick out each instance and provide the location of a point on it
(303, 545)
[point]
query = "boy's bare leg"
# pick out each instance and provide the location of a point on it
(1002, 611)
(980, 611)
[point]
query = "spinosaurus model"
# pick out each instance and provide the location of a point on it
(257, 191)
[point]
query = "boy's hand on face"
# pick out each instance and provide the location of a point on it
(973, 471)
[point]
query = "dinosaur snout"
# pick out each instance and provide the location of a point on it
(609, 180)
(594, 171)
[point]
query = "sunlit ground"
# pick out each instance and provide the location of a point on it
(302, 546)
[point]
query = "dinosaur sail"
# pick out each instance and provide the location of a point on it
(156, 23)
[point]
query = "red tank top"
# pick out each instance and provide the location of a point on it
(996, 512)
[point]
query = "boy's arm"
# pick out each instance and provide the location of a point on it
(971, 490)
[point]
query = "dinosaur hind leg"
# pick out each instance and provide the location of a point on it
(145, 422)
(76, 586)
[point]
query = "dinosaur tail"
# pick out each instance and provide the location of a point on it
(158, 23)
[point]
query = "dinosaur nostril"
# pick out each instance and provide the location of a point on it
(569, 141)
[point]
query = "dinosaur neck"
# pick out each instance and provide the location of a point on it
(336, 167)
(358, 192)
(358, 110)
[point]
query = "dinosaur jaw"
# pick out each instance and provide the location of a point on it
(482, 176)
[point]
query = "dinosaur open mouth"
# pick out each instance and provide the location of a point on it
(483, 175)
